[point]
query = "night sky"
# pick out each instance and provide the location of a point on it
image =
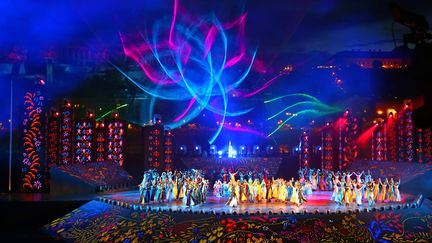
(274, 26)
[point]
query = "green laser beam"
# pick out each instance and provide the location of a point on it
(320, 104)
(300, 113)
(291, 95)
(111, 111)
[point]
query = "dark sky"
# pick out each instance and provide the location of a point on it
(274, 26)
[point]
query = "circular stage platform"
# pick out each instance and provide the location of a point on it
(318, 202)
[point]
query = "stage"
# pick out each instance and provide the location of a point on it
(318, 202)
(117, 216)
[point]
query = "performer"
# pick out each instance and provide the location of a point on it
(397, 192)
(335, 190)
(232, 176)
(263, 190)
(358, 176)
(314, 182)
(188, 196)
(244, 191)
(329, 182)
(340, 192)
(359, 191)
(233, 200)
(322, 182)
(153, 189)
(274, 189)
(370, 195)
(295, 196)
(218, 188)
(301, 197)
(142, 190)
(175, 188)
(382, 191)
(347, 194)
(376, 189)
(390, 191)
(290, 187)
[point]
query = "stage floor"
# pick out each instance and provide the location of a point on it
(319, 201)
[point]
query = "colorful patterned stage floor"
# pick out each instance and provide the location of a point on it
(97, 221)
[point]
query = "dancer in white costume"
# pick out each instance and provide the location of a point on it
(359, 193)
(397, 192)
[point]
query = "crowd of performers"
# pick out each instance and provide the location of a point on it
(191, 188)
(188, 186)
(349, 187)
(256, 187)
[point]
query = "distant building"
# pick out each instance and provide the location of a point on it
(371, 59)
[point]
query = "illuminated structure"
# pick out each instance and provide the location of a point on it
(405, 133)
(408, 131)
(348, 134)
(391, 131)
(427, 141)
(33, 167)
(101, 142)
(305, 150)
(67, 123)
(153, 136)
(168, 151)
(53, 138)
(115, 138)
(378, 143)
(327, 147)
(84, 139)
(371, 59)
(420, 150)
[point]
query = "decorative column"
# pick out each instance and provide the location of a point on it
(168, 150)
(327, 148)
(53, 138)
(34, 163)
(84, 131)
(305, 150)
(115, 140)
(420, 151)
(101, 142)
(67, 123)
(427, 138)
